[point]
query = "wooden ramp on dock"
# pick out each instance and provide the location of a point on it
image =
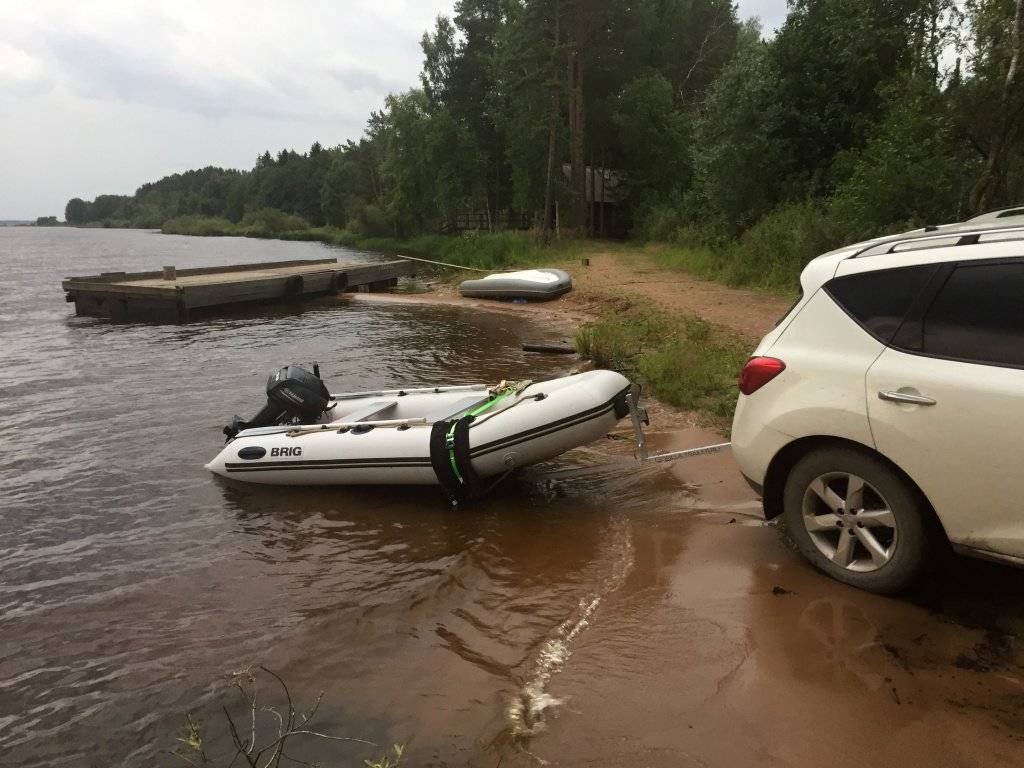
(174, 295)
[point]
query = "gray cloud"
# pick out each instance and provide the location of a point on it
(101, 70)
(361, 79)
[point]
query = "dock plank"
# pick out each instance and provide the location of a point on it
(147, 296)
(215, 278)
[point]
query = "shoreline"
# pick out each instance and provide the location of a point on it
(570, 318)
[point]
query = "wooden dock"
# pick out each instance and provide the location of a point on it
(175, 295)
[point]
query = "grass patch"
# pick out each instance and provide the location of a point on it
(731, 266)
(682, 360)
(736, 265)
(768, 256)
(699, 260)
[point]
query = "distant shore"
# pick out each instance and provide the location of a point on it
(42, 221)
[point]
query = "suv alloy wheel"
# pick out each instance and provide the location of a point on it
(856, 519)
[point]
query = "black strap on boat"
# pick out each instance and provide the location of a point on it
(621, 403)
(450, 459)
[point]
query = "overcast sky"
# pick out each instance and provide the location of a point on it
(103, 96)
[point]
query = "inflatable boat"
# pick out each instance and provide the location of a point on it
(529, 284)
(462, 438)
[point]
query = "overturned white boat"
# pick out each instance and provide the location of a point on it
(460, 437)
(534, 284)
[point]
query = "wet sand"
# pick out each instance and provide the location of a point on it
(724, 648)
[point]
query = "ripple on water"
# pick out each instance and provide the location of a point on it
(526, 710)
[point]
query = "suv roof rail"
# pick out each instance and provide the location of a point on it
(945, 237)
(1000, 213)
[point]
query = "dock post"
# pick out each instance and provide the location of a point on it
(181, 306)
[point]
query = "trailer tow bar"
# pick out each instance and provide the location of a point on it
(639, 418)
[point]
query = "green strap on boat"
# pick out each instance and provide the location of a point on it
(450, 437)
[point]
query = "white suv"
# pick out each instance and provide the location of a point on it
(885, 412)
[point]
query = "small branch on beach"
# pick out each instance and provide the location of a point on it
(286, 723)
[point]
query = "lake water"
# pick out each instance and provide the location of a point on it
(133, 583)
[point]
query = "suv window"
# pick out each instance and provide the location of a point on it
(880, 300)
(978, 316)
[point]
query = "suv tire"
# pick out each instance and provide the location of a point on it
(856, 519)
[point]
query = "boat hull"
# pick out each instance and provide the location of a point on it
(543, 421)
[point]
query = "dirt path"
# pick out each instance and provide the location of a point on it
(612, 274)
(750, 313)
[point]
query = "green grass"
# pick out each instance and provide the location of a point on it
(682, 360)
(697, 259)
(730, 265)
(768, 256)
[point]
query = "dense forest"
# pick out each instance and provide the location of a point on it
(665, 119)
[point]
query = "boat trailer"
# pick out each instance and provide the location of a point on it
(639, 418)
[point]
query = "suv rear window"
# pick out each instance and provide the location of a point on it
(978, 316)
(879, 301)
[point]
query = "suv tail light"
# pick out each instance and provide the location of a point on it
(759, 371)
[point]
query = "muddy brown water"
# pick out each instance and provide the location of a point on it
(607, 618)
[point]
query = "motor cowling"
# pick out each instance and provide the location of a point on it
(293, 394)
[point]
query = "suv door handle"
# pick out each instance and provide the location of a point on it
(904, 397)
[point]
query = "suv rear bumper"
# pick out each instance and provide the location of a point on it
(754, 444)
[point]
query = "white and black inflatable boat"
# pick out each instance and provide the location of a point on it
(535, 284)
(460, 437)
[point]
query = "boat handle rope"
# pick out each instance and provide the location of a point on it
(344, 426)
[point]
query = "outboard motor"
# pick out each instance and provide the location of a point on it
(292, 393)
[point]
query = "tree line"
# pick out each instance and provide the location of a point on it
(673, 117)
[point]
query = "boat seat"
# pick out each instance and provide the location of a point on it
(455, 409)
(367, 413)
